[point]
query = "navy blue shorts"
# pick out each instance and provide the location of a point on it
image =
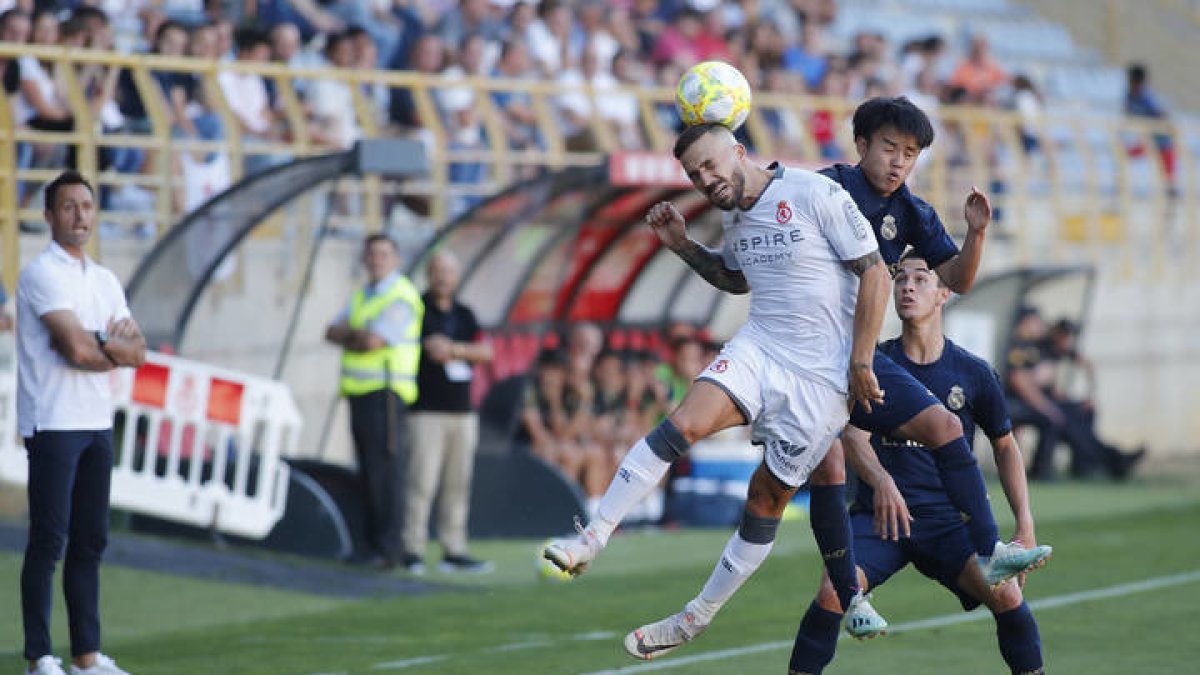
(903, 398)
(939, 550)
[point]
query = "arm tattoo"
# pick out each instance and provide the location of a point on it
(711, 267)
(860, 265)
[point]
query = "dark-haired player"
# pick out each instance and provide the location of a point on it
(820, 291)
(901, 513)
(890, 134)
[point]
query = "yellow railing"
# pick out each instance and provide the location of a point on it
(1081, 190)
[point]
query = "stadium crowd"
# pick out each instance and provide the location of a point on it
(783, 46)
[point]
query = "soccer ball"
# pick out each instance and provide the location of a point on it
(546, 570)
(713, 91)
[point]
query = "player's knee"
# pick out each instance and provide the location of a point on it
(669, 441)
(767, 496)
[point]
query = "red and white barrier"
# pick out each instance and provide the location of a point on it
(195, 444)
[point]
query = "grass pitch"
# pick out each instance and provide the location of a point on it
(1119, 596)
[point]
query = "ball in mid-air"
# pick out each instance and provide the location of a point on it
(713, 91)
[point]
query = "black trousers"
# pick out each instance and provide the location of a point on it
(1087, 453)
(379, 424)
(69, 477)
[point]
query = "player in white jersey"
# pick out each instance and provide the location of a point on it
(820, 292)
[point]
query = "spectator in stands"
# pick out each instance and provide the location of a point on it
(978, 74)
(464, 128)
(591, 94)
(1141, 101)
(1027, 101)
(548, 38)
(428, 57)
(469, 17)
(688, 41)
(379, 333)
(445, 428)
(43, 103)
(288, 48)
(15, 28)
(246, 94)
(377, 95)
(74, 327)
(333, 120)
(516, 107)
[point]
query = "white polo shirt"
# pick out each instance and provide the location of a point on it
(51, 394)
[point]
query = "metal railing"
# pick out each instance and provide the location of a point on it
(1066, 185)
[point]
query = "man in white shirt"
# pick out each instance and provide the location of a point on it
(73, 327)
(820, 290)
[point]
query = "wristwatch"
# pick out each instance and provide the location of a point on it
(101, 337)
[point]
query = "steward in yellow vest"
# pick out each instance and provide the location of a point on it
(379, 333)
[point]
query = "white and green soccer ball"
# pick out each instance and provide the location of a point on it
(713, 91)
(546, 570)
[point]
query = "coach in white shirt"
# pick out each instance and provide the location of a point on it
(73, 326)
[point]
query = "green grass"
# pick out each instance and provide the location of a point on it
(511, 623)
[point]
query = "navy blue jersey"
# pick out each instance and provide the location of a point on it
(970, 388)
(900, 220)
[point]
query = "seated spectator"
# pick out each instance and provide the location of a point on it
(331, 101)
(1027, 101)
(246, 94)
(517, 113)
(978, 74)
(428, 56)
(377, 95)
(1073, 389)
(557, 419)
(689, 41)
(591, 93)
(548, 38)
(43, 101)
(469, 17)
(15, 27)
(1030, 388)
(464, 127)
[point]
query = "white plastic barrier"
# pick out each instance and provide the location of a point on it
(194, 444)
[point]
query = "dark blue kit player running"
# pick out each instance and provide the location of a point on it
(902, 514)
(889, 135)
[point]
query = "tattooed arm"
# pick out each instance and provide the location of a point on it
(668, 224)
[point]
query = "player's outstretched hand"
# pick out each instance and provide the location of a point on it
(891, 512)
(978, 211)
(667, 223)
(864, 388)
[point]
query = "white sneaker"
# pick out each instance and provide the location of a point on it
(47, 665)
(862, 621)
(1009, 560)
(103, 666)
(663, 637)
(573, 554)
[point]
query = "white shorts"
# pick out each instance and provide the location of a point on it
(795, 419)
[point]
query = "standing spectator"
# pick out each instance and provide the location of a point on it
(979, 74)
(379, 333)
(1140, 101)
(1027, 101)
(445, 428)
(74, 327)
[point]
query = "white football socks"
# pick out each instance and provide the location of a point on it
(638, 475)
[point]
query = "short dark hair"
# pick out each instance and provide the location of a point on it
(694, 133)
(898, 112)
(9, 14)
(86, 13)
(913, 254)
(167, 26)
(249, 37)
(332, 40)
(372, 239)
(1137, 73)
(70, 177)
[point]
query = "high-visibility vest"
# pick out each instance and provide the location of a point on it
(393, 366)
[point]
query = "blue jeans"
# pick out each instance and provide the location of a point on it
(69, 477)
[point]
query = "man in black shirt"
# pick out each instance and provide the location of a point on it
(445, 428)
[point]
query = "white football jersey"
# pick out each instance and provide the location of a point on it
(792, 245)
